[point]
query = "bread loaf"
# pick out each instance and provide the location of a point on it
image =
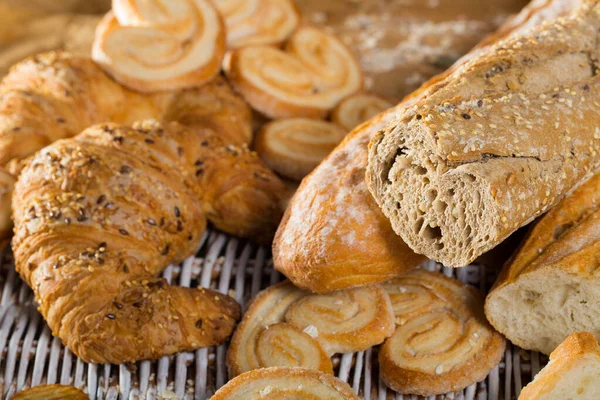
(494, 143)
(333, 235)
(572, 373)
(550, 287)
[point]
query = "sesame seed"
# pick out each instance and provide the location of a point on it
(123, 232)
(151, 221)
(177, 212)
(110, 316)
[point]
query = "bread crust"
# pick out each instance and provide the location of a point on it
(577, 346)
(454, 173)
(563, 246)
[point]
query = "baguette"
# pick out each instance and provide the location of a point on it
(572, 373)
(496, 142)
(333, 235)
(551, 286)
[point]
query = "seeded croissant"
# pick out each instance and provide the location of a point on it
(56, 95)
(98, 216)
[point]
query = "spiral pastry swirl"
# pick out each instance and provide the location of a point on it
(160, 45)
(346, 320)
(288, 326)
(357, 109)
(442, 342)
(258, 22)
(285, 383)
(308, 78)
(293, 147)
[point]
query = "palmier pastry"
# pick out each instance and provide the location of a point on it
(160, 45)
(295, 146)
(357, 109)
(285, 383)
(287, 326)
(258, 22)
(308, 78)
(442, 342)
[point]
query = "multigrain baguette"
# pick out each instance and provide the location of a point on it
(551, 287)
(333, 235)
(497, 141)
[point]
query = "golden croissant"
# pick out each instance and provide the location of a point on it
(98, 216)
(56, 95)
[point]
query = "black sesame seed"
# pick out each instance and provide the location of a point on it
(102, 245)
(101, 199)
(149, 141)
(125, 169)
(466, 116)
(199, 171)
(180, 151)
(109, 204)
(123, 232)
(199, 163)
(151, 221)
(67, 221)
(99, 260)
(479, 103)
(125, 268)
(110, 316)
(177, 212)
(118, 139)
(60, 120)
(118, 305)
(162, 221)
(165, 251)
(199, 323)
(190, 237)
(586, 87)
(137, 304)
(179, 226)
(204, 143)
(419, 116)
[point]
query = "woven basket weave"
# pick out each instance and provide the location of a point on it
(30, 356)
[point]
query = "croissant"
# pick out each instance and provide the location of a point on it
(56, 95)
(98, 216)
